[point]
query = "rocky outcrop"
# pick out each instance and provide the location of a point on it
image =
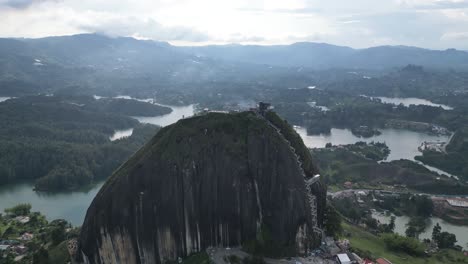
(211, 180)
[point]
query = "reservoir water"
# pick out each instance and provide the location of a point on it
(403, 144)
(411, 101)
(119, 134)
(70, 206)
(178, 112)
(401, 221)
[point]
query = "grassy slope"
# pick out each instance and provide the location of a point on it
(366, 241)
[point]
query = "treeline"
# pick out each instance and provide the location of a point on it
(455, 160)
(346, 110)
(127, 107)
(357, 163)
(410, 81)
(58, 165)
(60, 145)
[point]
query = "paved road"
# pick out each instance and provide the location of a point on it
(349, 191)
(217, 255)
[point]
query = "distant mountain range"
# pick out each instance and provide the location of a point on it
(98, 50)
(98, 62)
(325, 56)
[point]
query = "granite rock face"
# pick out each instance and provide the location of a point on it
(211, 180)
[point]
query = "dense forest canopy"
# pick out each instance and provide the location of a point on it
(62, 144)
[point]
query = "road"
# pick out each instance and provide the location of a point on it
(217, 255)
(350, 191)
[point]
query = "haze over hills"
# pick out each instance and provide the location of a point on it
(103, 65)
(322, 56)
(106, 53)
(233, 132)
(77, 106)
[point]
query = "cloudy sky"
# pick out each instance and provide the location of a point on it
(437, 24)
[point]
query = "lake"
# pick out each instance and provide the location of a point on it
(178, 112)
(3, 99)
(70, 206)
(411, 101)
(403, 144)
(401, 221)
(119, 134)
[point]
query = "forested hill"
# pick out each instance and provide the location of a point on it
(322, 56)
(92, 60)
(62, 144)
(455, 159)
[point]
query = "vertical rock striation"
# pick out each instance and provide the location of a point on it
(211, 180)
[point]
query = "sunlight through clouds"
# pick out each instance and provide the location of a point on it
(361, 23)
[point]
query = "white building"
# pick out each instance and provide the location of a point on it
(343, 259)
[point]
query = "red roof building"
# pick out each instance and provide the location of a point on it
(382, 261)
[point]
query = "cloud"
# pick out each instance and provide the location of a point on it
(20, 4)
(240, 38)
(143, 28)
(305, 10)
(445, 4)
(457, 36)
(437, 24)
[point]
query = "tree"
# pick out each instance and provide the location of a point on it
(354, 215)
(20, 209)
(372, 223)
(446, 240)
(411, 231)
(57, 234)
(41, 257)
(436, 232)
(388, 228)
(8, 258)
(416, 225)
(332, 222)
(408, 245)
(391, 226)
(424, 205)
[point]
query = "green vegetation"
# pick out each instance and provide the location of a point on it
(357, 211)
(357, 163)
(408, 245)
(265, 245)
(36, 240)
(408, 204)
(62, 146)
(455, 161)
(125, 107)
(374, 245)
(443, 239)
(332, 222)
(20, 209)
(416, 226)
(349, 110)
(197, 258)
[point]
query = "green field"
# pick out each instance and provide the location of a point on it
(365, 241)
